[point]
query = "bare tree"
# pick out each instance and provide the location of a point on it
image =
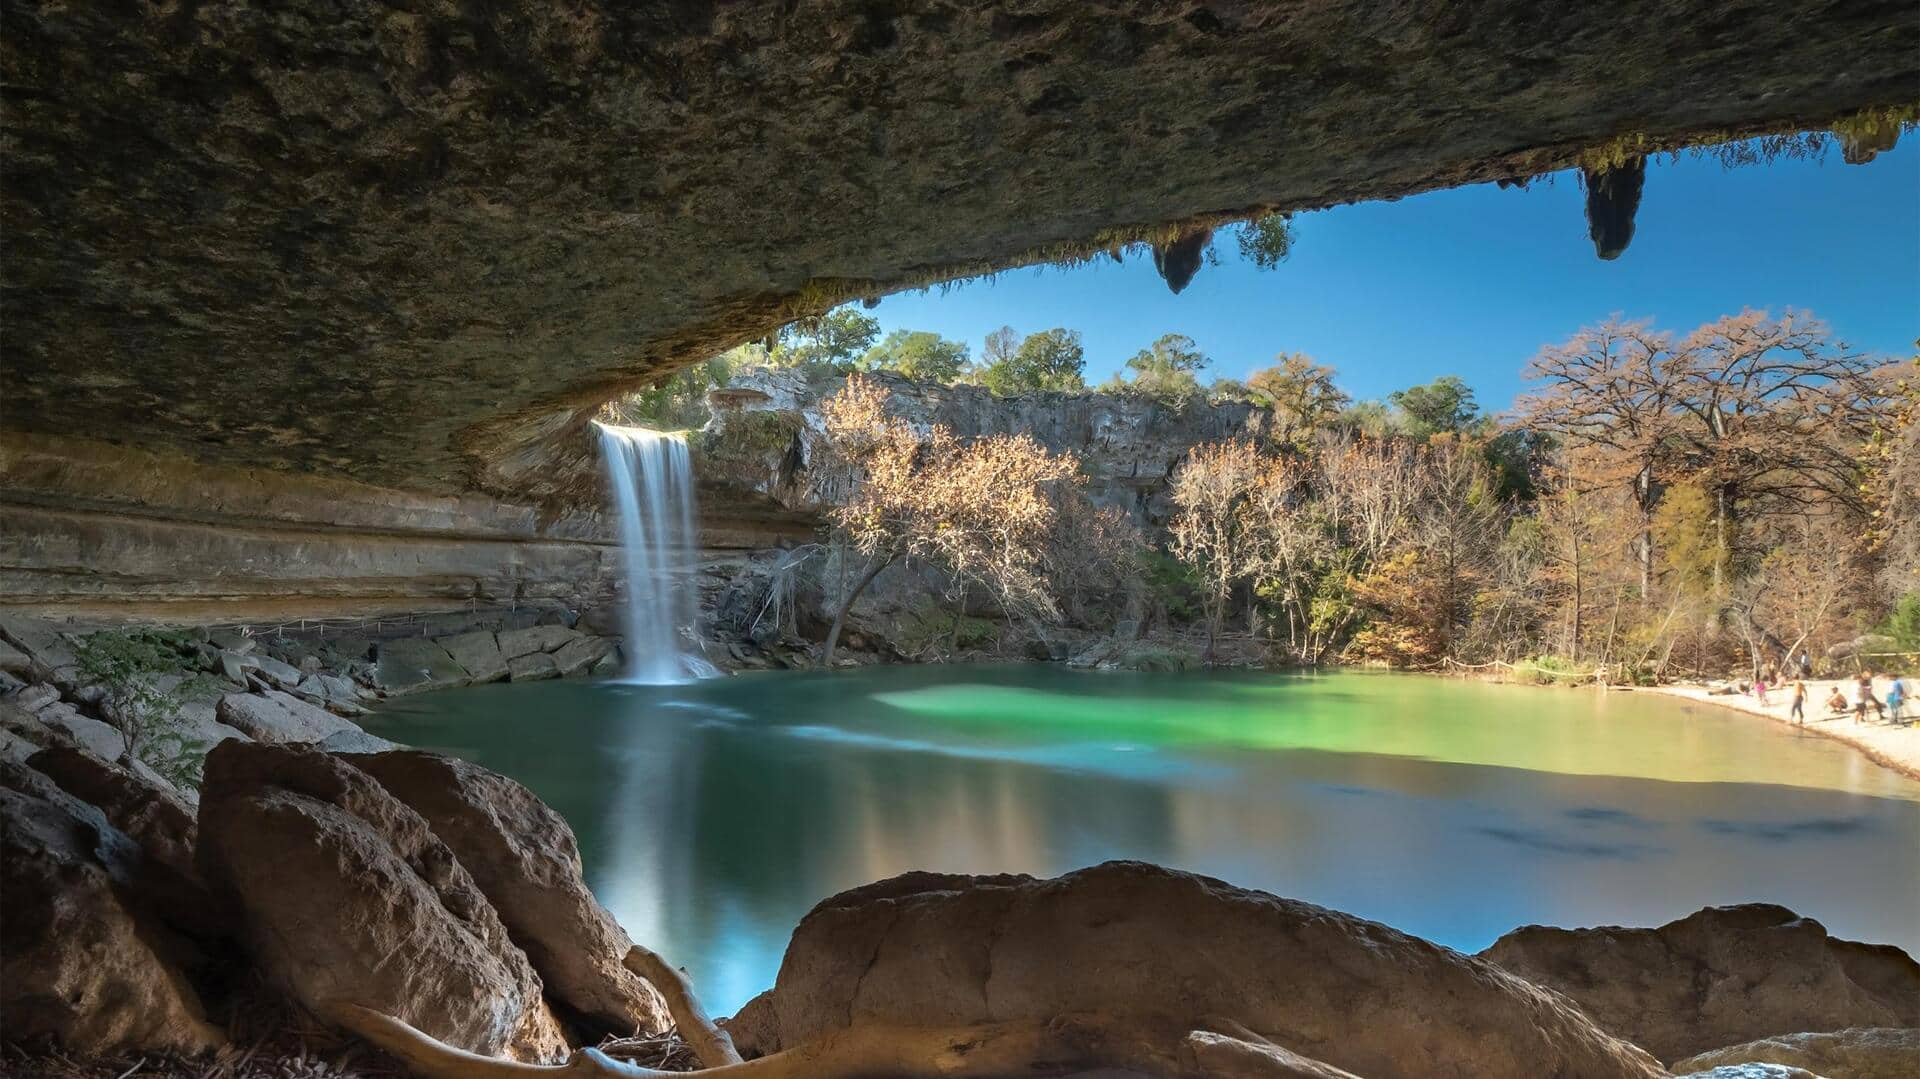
(981, 510)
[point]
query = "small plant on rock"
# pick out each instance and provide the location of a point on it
(142, 673)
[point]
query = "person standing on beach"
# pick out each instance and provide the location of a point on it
(1760, 689)
(1897, 702)
(1798, 712)
(1866, 698)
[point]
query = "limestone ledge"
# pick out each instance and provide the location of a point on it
(97, 529)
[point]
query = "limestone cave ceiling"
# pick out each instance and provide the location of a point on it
(410, 243)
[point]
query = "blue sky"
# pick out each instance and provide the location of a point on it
(1474, 280)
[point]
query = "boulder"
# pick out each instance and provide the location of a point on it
(1718, 977)
(13, 660)
(84, 961)
(274, 716)
(356, 741)
(103, 740)
(532, 668)
(345, 894)
(523, 642)
(153, 815)
(524, 858)
(413, 664)
(478, 653)
(283, 675)
(36, 696)
(580, 654)
(13, 747)
(1138, 943)
(1861, 1053)
(44, 643)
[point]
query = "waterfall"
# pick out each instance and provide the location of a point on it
(652, 478)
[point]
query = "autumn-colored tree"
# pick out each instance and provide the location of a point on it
(1301, 394)
(1228, 496)
(982, 510)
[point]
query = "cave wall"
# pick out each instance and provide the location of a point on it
(89, 527)
(415, 246)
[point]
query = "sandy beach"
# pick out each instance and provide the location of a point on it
(1897, 748)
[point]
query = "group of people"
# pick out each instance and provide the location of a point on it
(1893, 710)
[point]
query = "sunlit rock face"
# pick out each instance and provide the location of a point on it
(1718, 977)
(412, 246)
(766, 442)
(1149, 945)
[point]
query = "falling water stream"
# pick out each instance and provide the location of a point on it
(652, 478)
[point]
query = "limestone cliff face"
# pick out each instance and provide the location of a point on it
(765, 440)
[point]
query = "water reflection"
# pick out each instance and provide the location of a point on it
(713, 816)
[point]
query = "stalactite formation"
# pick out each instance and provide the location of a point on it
(1613, 197)
(1180, 260)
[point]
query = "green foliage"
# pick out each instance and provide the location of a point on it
(1903, 624)
(139, 670)
(1267, 241)
(835, 339)
(918, 355)
(930, 626)
(1049, 360)
(1172, 586)
(1372, 419)
(1165, 371)
(1443, 406)
(679, 402)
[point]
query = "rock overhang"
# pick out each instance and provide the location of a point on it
(416, 248)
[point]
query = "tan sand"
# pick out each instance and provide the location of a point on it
(1897, 748)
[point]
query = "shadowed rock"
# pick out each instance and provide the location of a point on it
(523, 856)
(345, 893)
(1720, 976)
(1178, 261)
(1137, 942)
(84, 959)
(1613, 198)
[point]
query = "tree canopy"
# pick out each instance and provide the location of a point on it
(1049, 360)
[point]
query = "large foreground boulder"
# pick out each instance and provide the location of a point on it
(1718, 977)
(345, 894)
(1869, 1053)
(1139, 943)
(524, 857)
(84, 961)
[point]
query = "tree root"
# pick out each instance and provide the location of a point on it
(1063, 1046)
(711, 1045)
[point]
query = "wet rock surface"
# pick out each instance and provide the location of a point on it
(1718, 977)
(1128, 939)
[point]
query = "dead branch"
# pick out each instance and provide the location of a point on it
(1063, 1046)
(711, 1045)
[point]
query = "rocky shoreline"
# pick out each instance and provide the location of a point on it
(433, 907)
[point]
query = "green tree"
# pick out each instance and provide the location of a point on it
(1443, 406)
(835, 339)
(918, 355)
(1049, 360)
(1165, 371)
(138, 671)
(1267, 241)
